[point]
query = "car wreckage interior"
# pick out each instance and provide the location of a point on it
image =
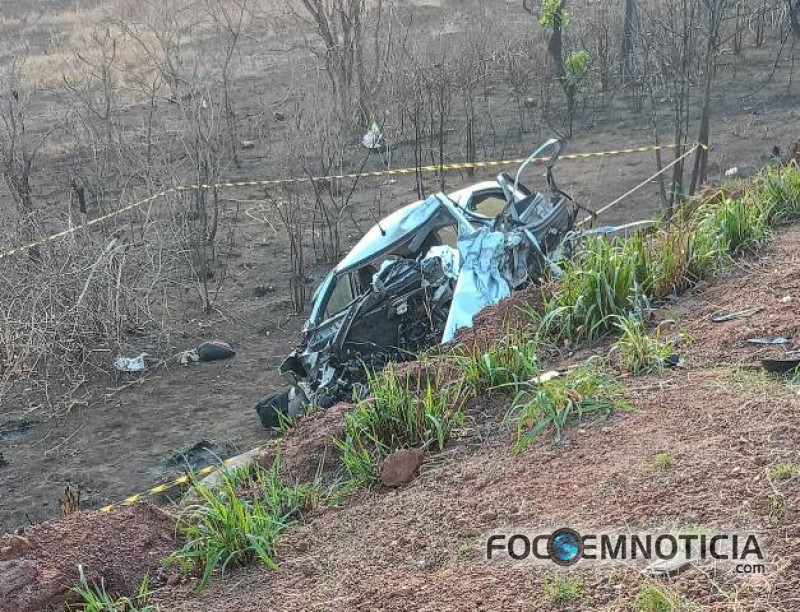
(418, 276)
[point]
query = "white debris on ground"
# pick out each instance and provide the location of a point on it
(131, 364)
(373, 139)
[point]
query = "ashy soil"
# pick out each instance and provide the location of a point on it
(121, 434)
(422, 546)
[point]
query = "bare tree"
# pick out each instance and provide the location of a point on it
(715, 13)
(340, 26)
(794, 15)
(628, 29)
(19, 146)
(666, 67)
(228, 16)
(292, 212)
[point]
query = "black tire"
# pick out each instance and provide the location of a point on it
(274, 409)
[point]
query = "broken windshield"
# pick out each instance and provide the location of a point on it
(390, 231)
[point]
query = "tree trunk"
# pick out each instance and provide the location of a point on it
(556, 45)
(626, 67)
(794, 15)
(716, 10)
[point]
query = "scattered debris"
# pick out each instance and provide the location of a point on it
(373, 139)
(422, 273)
(131, 364)
(742, 314)
(248, 144)
(785, 299)
(401, 467)
(279, 406)
(187, 357)
(196, 456)
(543, 378)
(217, 478)
(732, 172)
(778, 340)
(215, 350)
(673, 361)
(665, 568)
(781, 365)
(212, 350)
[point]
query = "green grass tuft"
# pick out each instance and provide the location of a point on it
(662, 461)
(397, 416)
(637, 352)
(603, 282)
(95, 598)
(231, 527)
(563, 401)
(656, 598)
(784, 471)
(507, 364)
(562, 589)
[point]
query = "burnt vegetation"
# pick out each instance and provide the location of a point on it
(102, 110)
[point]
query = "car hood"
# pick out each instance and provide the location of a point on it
(389, 232)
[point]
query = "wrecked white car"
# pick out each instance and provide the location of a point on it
(418, 276)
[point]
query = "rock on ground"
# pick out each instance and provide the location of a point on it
(401, 467)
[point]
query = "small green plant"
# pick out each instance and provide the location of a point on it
(562, 401)
(777, 507)
(230, 527)
(662, 461)
(780, 190)
(464, 549)
(507, 364)
(639, 353)
(553, 14)
(740, 225)
(656, 598)
(784, 471)
(577, 65)
(603, 283)
(397, 416)
(95, 598)
(562, 589)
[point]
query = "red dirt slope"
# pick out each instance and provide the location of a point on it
(421, 547)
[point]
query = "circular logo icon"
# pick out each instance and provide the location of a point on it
(565, 546)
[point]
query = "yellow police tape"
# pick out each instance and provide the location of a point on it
(299, 180)
(184, 479)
